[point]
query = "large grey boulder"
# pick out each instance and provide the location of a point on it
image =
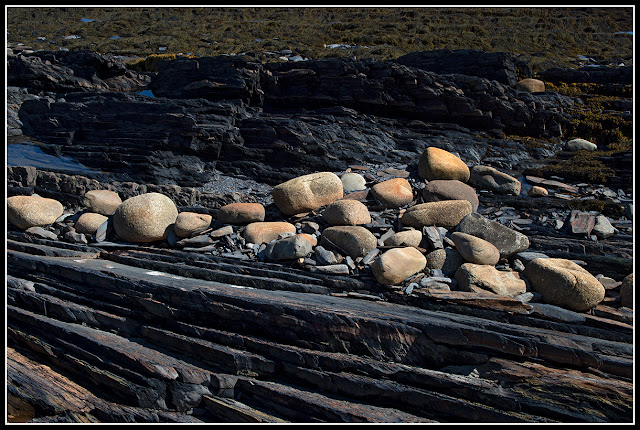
(508, 241)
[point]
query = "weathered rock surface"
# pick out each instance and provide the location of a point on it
(241, 213)
(508, 241)
(346, 212)
(32, 211)
(397, 264)
(490, 178)
(266, 231)
(564, 283)
(393, 193)
(354, 241)
(483, 278)
(475, 250)
(89, 222)
(189, 223)
(451, 189)
(103, 202)
(307, 192)
(446, 213)
(145, 218)
(436, 163)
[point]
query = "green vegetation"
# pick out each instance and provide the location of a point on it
(546, 36)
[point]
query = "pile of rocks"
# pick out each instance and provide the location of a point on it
(408, 233)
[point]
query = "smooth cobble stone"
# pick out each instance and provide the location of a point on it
(145, 218)
(451, 189)
(563, 283)
(266, 231)
(89, 222)
(346, 212)
(308, 192)
(436, 163)
(189, 223)
(241, 213)
(32, 211)
(104, 202)
(446, 213)
(355, 241)
(397, 264)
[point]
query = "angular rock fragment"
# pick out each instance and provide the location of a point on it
(482, 278)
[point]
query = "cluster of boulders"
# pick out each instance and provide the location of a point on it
(408, 238)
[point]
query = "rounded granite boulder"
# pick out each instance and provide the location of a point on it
(436, 163)
(266, 231)
(354, 240)
(188, 223)
(393, 193)
(564, 283)
(241, 213)
(475, 250)
(89, 222)
(145, 218)
(397, 264)
(308, 192)
(103, 202)
(32, 211)
(531, 85)
(450, 189)
(346, 212)
(446, 213)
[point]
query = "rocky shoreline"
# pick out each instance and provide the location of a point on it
(390, 198)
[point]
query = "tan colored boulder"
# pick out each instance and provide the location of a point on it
(32, 211)
(241, 213)
(188, 223)
(405, 238)
(436, 163)
(397, 264)
(103, 202)
(393, 193)
(308, 192)
(626, 291)
(89, 222)
(346, 212)
(531, 85)
(564, 283)
(482, 278)
(537, 191)
(354, 240)
(145, 218)
(266, 231)
(450, 189)
(446, 213)
(475, 250)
